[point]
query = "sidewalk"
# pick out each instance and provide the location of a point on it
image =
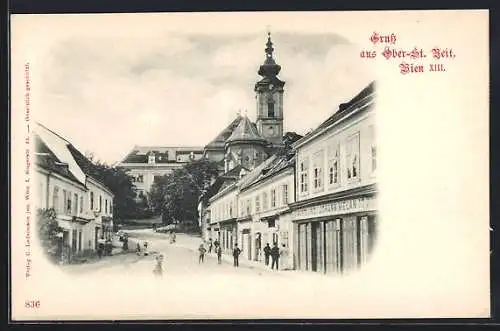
(192, 243)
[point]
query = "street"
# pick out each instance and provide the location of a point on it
(180, 258)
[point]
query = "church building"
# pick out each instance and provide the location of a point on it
(248, 143)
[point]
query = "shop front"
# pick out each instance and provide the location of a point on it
(336, 236)
(227, 235)
(245, 237)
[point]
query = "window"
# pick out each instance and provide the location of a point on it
(106, 206)
(100, 202)
(285, 194)
(264, 201)
(111, 207)
(373, 149)
(273, 198)
(75, 203)
(353, 157)
(151, 159)
(333, 164)
(318, 170)
(270, 109)
(304, 166)
(249, 206)
(140, 179)
(55, 199)
(242, 209)
(257, 204)
(91, 200)
(81, 204)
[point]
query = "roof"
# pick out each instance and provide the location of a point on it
(163, 154)
(225, 180)
(344, 109)
(275, 164)
(59, 147)
(245, 131)
(220, 140)
(47, 160)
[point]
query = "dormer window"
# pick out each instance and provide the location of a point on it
(151, 158)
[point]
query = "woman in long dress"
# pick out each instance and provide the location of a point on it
(284, 258)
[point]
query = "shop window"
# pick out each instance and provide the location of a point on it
(353, 157)
(273, 198)
(304, 167)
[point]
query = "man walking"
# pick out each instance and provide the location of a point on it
(202, 251)
(236, 255)
(219, 254)
(210, 245)
(275, 255)
(267, 253)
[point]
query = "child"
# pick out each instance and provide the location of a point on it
(219, 254)
(158, 269)
(202, 251)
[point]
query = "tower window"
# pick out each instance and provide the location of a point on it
(270, 109)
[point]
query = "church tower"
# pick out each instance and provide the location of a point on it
(269, 96)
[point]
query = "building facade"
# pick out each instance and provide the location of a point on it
(145, 163)
(335, 218)
(83, 205)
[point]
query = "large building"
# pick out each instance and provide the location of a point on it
(146, 163)
(83, 204)
(335, 215)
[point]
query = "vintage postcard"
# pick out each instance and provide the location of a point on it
(250, 165)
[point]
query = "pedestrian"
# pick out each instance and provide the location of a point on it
(202, 251)
(236, 255)
(100, 249)
(158, 269)
(284, 258)
(219, 254)
(145, 246)
(173, 237)
(275, 256)
(267, 253)
(138, 248)
(210, 245)
(125, 244)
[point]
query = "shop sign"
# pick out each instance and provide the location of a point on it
(336, 208)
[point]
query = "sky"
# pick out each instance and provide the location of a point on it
(106, 91)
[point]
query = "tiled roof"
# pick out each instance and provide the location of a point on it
(59, 147)
(47, 160)
(163, 154)
(245, 131)
(221, 138)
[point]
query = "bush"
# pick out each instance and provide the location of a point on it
(48, 229)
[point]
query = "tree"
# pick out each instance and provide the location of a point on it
(120, 183)
(176, 195)
(48, 231)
